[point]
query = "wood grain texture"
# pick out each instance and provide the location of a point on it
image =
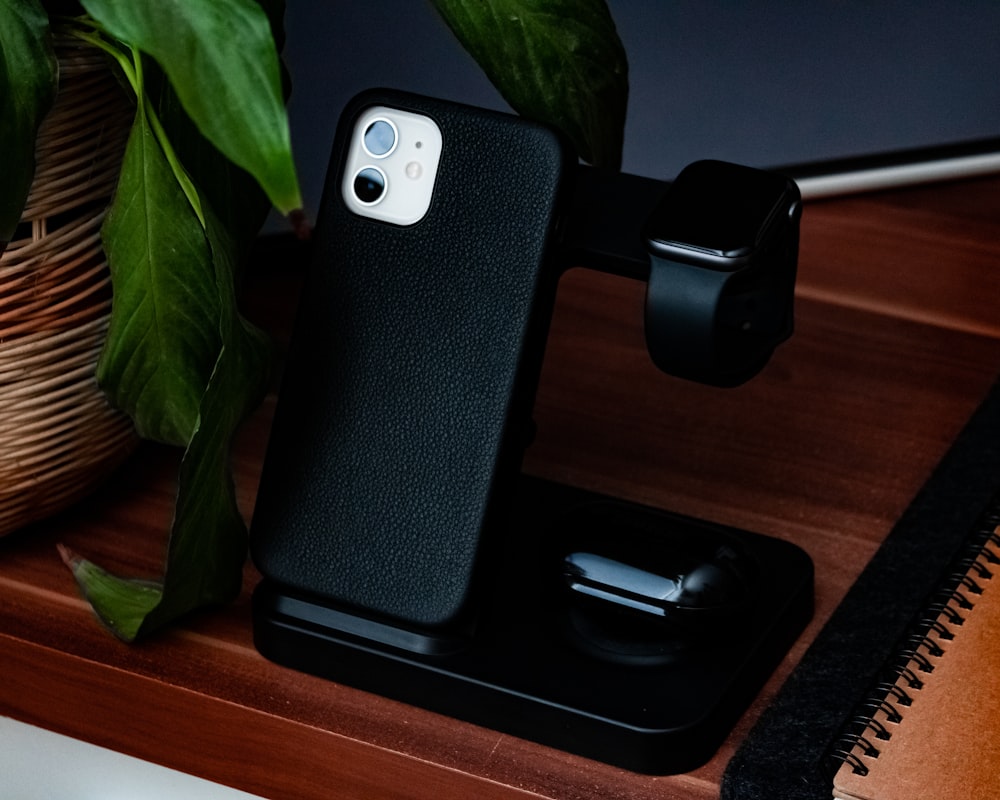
(897, 340)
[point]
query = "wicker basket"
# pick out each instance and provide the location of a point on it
(58, 435)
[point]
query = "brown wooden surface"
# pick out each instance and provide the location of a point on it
(897, 340)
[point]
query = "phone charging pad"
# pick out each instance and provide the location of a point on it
(615, 631)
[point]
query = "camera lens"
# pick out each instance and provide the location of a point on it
(380, 138)
(369, 185)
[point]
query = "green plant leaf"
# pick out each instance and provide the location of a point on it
(163, 339)
(208, 541)
(233, 194)
(121, 603)
(237, 198)
(220, 56)
(28, 77)
(207, 546)
(556, 61)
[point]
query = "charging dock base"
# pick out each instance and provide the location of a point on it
(520, 674)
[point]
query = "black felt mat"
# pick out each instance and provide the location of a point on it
(786, 753)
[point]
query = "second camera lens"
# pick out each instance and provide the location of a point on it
(369, 185)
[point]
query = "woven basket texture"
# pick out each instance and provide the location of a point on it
(59, 437)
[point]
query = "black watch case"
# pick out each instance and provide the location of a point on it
(718, 215)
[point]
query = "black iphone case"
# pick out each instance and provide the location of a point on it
(405, 403)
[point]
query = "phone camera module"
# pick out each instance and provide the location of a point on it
(380, 138)
(369, 185)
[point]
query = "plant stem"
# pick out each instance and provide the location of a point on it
(93, 37)
(132, 71)
(180, 174)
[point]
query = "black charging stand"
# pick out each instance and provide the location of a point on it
(537, 666)
(524, 670)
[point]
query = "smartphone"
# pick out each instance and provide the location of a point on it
(405, 404)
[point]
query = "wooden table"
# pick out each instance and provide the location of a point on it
(897, 341)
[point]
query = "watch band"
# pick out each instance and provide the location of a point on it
(723, 252)
(682, 304)
(720, 328)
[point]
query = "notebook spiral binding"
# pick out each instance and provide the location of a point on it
(925, 642)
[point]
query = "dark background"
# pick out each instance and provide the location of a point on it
(765, 84)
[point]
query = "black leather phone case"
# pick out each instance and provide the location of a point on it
(405, 403)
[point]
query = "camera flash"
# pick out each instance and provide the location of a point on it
(414, 170)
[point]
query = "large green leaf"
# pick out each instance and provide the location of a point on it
(208, 541)
(163, 339)
(207, 546)
(221, 59)
(557, 61)
(237, 198)
(28, 75)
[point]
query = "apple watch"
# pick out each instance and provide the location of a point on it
(723, 248)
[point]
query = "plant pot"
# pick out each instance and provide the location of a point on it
(59, 437)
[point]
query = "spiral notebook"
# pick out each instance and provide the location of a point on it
(931, 728)
(854, 664)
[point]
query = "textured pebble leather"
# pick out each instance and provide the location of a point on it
(407, 393)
